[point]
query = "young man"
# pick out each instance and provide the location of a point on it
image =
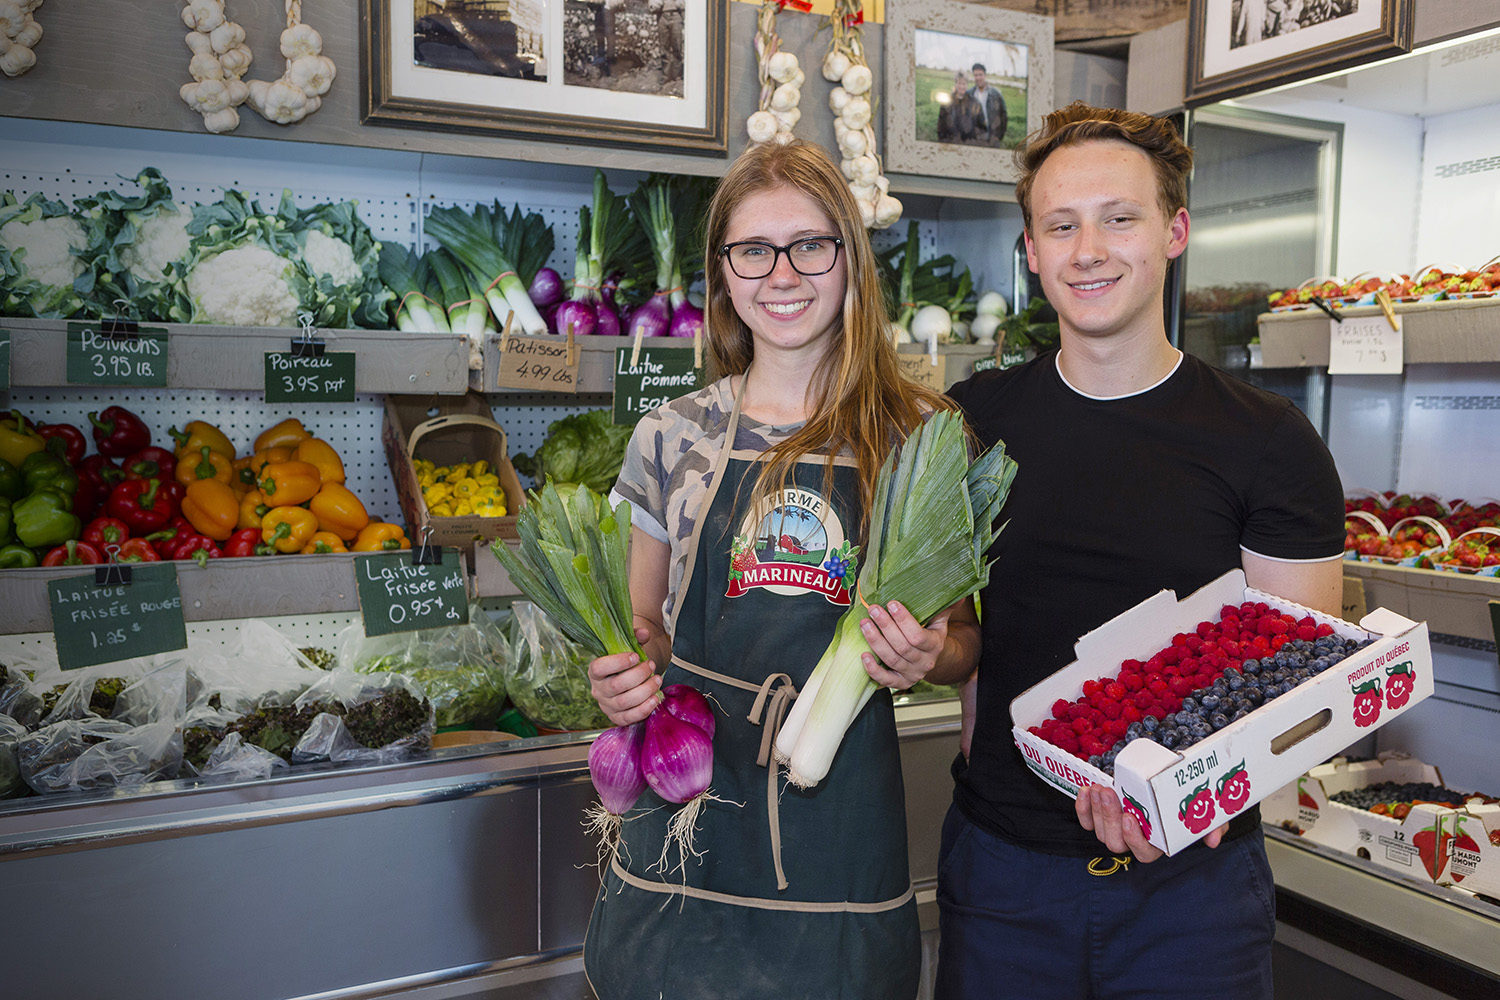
(1140, 469)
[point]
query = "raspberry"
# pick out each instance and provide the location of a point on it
(1096, 717)
(1143, 699)
(1156, 686)
(1133, 682)
(1117, 728)
(1188, 665)
(1036, 731)
(1228, 611)
(1308, 632)
(1277, 642)
(1132, 667)
(1205, 629)
(1324, 629)
(1229, 647)
(1170, 655)
(1091, 746)
(1180, 687)
(1180, 639)
(1114, 691)
(1194, 644)
(1112, 710)
(1061, 708)
(1130, 714)
(1155, 664)
(1090, 687)
(1080, 726)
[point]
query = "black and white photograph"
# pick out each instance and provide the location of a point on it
(488, 37)
(644, 73)
(635, 46)
(1236, 46)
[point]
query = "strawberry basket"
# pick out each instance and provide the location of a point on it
(1476, 552)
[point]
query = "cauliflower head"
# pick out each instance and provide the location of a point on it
(331, 256)
(49, 246)
(160, 239)
(243, 286)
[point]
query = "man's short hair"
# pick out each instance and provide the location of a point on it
(978, 66)
(1171, 159)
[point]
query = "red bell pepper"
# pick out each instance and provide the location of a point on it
(102, 531)
(165, 539)
(73, 553)
(151, 463)
(118, 432)
(97, 475)
(189, 544)
(246, 542)
(73, 444)
(174, 492)
(137, 550)
(141, 504)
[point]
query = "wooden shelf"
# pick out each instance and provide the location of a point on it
(1450, 603)
(233, 357)
(1456, 331)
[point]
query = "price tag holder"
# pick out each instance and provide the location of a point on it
(4, 359)
(919, 368)
(121, 357)
(100, 624)
(540, 364)
(1365, 345)
(661, 375)
(308, 378)
(397, 596)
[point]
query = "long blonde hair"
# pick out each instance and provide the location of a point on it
(860, 402)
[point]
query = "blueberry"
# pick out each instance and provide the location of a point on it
(1202, 730)
(1335, 657)
(1250, 667)
(1236, 682)
(1168, 739)
(1254, 696)
(1096, 761)
(1168, 721)
(1134, 730)
(1218, 720)
(1189, 705)
(1118, 746)
(1239, 713)
(1209, 701)
(1150, 724)
(1108, 760)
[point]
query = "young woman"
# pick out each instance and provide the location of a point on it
(744, 496)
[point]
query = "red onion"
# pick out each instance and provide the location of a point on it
(615, 767)
(689, 705)
(606, 320)
(652, 318)
(579, 314)
(677, 758)
(546, 288)
(687, 321)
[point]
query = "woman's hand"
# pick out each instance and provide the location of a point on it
(903, 650)
(626, 688)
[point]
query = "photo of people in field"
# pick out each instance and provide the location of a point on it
(969, 91)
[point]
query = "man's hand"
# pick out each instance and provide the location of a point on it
(1099, 810)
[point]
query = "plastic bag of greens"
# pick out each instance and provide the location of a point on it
(547, 674)
(12, 785)
(459, 667)
(386, 716)
(235, 760)
(94, 753)
(261, 666)
(19, 698)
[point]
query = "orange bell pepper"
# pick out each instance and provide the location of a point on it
(323, 542)
(378, 536)
(196, 434)
(316, 451)
(289, 483)
(288, 528)
(207, 464)
(339, 511)
(287, 434)
(211, 507)
(253, 507)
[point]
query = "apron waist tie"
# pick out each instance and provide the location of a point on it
(773, 699)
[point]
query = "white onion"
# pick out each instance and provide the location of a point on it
(984, 327)
(991, 304)
(931, 325)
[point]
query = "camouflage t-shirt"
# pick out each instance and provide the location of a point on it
(668, 471)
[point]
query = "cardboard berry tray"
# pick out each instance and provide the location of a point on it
(1472, 840)
(1179, 797)
(1411, 845)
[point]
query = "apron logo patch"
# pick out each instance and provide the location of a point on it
(797, 548)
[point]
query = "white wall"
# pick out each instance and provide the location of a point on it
(1459, 220)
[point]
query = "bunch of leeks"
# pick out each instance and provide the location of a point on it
(930, 528)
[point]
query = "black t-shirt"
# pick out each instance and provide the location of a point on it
(1114, 500)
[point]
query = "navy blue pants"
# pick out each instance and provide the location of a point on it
(1019, 923)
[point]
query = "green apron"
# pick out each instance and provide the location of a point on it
(796, 893)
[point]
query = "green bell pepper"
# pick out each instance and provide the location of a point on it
(5, 516)
(45, 518)
(42, 468)
(16, 556)
(12, 483)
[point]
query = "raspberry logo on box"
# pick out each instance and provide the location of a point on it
(1233, 790)
(1366, 702)
(1401, 678)
(1197, 810)
(1134, 808)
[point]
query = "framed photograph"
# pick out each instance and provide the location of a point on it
(1236, 46)
(649, 74)
(964, 85)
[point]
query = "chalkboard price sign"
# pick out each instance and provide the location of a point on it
(326, 378)
(661, 375)
(96, 358)
(396, 596)
(95, 624)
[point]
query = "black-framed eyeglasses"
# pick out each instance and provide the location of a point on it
(810, 256)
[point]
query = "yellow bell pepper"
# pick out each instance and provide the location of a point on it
(287, 434)
(288, 528)
(18, 438)
(323, 542)
(197, 434)
(207, 464)
(339, 511)
(289, 483)
(379, 536)
(320, 453)
(253, 507)
(211, 507)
